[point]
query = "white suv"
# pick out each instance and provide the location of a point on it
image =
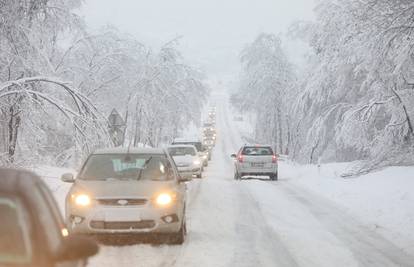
(255, 160)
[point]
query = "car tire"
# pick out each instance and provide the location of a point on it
(205, 163)
(199, 175)
(179, 238)
(274, 177)
(236, 176)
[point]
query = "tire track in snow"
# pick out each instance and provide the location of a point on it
(367, 246)
(267, 247)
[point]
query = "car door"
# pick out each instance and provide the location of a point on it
(51, 221)
(16, 246)
(181, 187)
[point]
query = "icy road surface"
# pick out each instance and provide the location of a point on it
(259, 223)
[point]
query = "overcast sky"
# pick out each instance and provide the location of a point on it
(214, 31)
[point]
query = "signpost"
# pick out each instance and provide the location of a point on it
(117, 128)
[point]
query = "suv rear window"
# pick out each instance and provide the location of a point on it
(15, 246)
(126, 167)
(257, 151)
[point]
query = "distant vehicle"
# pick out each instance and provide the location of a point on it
(209, 126)
(202, 151)
(32, 230)
(209, 143)
(128, 191)
(255, 160)
(210, 135)
(186, 159)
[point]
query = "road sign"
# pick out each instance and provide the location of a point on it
(115, 120)
(117, 127)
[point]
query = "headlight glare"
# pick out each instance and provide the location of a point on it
(82, 200)
(163, 199)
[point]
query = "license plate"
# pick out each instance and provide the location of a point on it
(258, 165)
(122, 215)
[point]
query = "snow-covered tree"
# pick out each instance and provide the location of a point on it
(57, 80)
(266, 87)
(357, 97)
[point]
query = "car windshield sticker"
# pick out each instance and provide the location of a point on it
(120, 165)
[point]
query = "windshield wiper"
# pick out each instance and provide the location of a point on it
(143, 167)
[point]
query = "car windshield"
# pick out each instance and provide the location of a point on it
(182, 151)
(257, 151)
(125, 167)
(14, 234)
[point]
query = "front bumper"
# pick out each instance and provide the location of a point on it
(191, 170)
(148, 218)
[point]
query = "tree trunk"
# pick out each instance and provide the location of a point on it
(280, 123)
(407, 116)
(13, 131)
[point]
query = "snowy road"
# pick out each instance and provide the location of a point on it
(259, 223)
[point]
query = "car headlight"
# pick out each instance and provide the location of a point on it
(164, 199)
(204, 156)
(196, 162)
(82, 200)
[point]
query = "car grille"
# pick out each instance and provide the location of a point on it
(122, 201)
(145, 224)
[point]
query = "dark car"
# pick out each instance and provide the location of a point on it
(32, 231)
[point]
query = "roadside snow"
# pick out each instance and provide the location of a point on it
(384, 200)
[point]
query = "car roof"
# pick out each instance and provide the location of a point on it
(183, 140)
(17, 181)
(131, 150)
(257, 145)
(182, 145)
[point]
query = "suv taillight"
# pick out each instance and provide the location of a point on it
(274, 159)
(240, 158)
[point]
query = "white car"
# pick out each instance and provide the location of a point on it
(186, 159)
(202, 151)
(255, 160)
(121, 191)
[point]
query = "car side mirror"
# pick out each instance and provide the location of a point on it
(75, 248)
(68, 178)
(233, 156)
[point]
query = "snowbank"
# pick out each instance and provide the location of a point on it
(383, 199)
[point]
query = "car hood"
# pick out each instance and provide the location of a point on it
(123, 188)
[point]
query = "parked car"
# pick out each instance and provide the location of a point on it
(255, 160)
(32, 230)
(202, 151)
(128, 191)
(186, 159)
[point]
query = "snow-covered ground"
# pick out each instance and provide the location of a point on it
(310, 217)
(384, 200)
